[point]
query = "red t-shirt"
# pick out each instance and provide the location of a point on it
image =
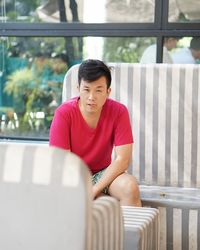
(70, 131)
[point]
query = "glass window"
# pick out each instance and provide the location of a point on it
(175, 50)
(32, 71)
(31, 75)
(86, 11)
(187, 51)
(184, 11)
(126, 49)
(149, 51)
(170, 45)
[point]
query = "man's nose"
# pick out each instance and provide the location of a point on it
(91, 95)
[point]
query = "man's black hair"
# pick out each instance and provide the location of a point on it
(92, 69)
(195, 43)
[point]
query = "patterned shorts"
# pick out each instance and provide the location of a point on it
(96, 177)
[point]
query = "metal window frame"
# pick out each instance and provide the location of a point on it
(159, 29)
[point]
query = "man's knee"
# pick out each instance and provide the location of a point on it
(126, 187)
(130, 187)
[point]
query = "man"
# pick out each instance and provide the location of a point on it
(188, 55)
(149, 55)
(89, 125)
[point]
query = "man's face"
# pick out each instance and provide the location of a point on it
(196, 54)
(93, 95)
(171, 43)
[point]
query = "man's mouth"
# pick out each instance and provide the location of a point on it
(91, 104)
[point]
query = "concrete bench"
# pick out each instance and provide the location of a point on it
(164, 105)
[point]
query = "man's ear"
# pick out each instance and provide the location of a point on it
(109, 91)
(78, 87)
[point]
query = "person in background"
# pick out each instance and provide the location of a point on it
(189, 55)
(149, 55)
(90, 125)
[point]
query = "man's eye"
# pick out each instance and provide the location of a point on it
(99, 91)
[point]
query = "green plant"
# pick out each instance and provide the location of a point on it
(29, 97)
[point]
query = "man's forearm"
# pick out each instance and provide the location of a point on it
(117, 167)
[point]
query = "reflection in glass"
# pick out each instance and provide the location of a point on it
(32, 71)
(86, 11)
(149, 54)
(187, 51)
(125, 49)
(130, 11)
(184, 11)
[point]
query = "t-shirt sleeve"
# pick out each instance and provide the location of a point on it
(123, 131)
(59, 131)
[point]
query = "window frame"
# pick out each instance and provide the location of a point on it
(159, 29)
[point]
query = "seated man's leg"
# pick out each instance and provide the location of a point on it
(126, 190)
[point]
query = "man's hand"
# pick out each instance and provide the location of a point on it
(116, 168)
(95, 192)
